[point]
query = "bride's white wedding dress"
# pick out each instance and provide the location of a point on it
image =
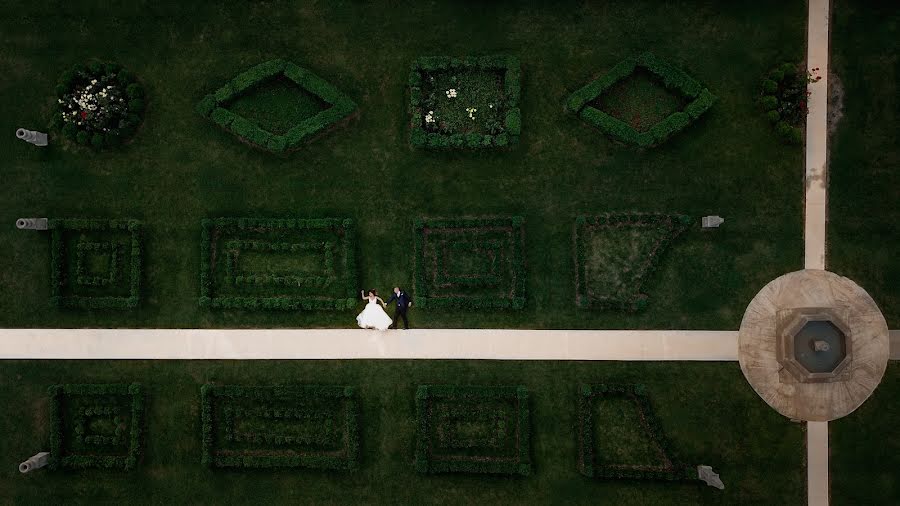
(374, 317)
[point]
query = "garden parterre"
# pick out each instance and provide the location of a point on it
(176, 168)
(728, 426)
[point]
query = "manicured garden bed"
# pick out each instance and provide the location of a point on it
(180, 168)
(758, 453)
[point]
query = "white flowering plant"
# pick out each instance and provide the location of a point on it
(465, 102)
(99, 104)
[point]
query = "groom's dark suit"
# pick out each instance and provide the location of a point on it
(403, 302)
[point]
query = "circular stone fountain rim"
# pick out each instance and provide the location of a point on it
(867, 343)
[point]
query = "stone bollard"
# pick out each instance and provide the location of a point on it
(708, 476)
(711, 221)
(32, 136)
(31, 224)
(35, 462)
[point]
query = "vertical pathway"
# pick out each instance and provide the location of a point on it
(816, 136)
(817, 463)
(814, 227)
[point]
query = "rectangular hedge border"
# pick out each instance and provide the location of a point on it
(672, 77)
(280, 303)
(426, 463)
(512, 76)
(213, 106)
(587, 465)
(59, 277)
(517, 298)
(347, 461)
(58, 457)
(675, 224)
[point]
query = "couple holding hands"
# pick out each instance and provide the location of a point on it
(374, 317)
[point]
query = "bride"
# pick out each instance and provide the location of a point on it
(373, 317)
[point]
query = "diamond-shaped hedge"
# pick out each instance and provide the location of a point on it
(697, 98)
(323, 105)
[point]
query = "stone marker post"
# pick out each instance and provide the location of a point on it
(711, 221)
(712, 479)
(35, 462)
(32, 136)
(31, 224)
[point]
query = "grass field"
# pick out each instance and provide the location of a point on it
(181, 168)
(864, 183)
(708, 412)
(865, 448)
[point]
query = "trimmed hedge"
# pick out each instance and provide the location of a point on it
(506, 133)
(672, 78)
(216, 399)
(673, 226)
(447, 295)
(63, 293)
(343, 231)
(215, 106)
(671, 468)
(468, 397)
(61, 452)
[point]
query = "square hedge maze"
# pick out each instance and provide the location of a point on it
(96, 425)
(251, 263)
(266, 427)
(95, 264)
(473, 429)
(475, 263)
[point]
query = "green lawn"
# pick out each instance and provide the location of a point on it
(707, 410)
(181, 168)
(864, 182)
(865, 448)
(278, 105)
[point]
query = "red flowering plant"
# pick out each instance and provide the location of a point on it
(99, 104)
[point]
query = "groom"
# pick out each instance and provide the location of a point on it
(404, 302)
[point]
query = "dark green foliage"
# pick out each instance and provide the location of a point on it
(625, 275)
(673, 78)
(783, 98)
(216, 105)
(669, 468)
(98, 102)
(768, 103)
(497, 448)
(332, 286)
(438, 243)
(335, 408)
(66, 268)
(489, 84)
(69, 449)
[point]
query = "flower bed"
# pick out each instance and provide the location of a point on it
(95, 264)
(783, 96)
(100, 104)
(659, 463)
(473, 429)
(462, 103)
(249, 263)
(265, 427)
(96, 426)
(615, 255)
(246, 123)
(698, 99)
(475, 263)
